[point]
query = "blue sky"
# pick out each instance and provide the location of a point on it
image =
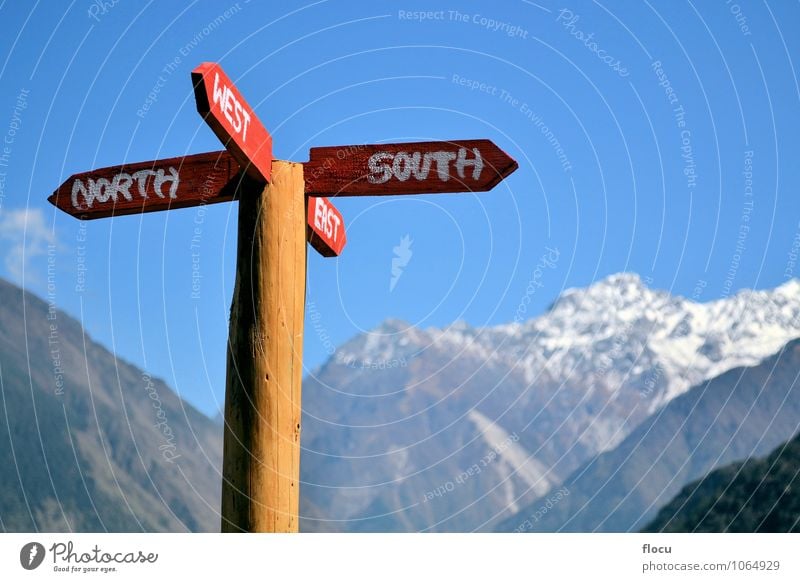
(656, 137)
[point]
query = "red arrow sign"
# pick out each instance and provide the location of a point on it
(149, 186)
(233, 120)
(407, 168)
(327, 233)
(179, 183)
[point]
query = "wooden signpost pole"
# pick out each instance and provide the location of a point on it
(261, 448)
(281, 206)
(261, 470)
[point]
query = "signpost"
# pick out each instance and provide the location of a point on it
(427, 167)
(282, 206)
(326, 227)
(233, 120)
(149, 186)
(179, 183)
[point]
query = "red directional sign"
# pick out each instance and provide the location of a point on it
(406, 168)
(260, 491)
(233, 120)
(327, 227)
(149, 186)
(179, 183)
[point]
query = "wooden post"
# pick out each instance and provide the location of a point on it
(261, 463)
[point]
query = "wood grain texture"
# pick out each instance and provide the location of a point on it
(131, 188)
(261, 467)
(407, 168)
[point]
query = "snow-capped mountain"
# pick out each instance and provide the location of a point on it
(743, 413)
(399, 413)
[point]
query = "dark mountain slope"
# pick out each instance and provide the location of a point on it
(743, 412)
(759, 495)
(89, 442)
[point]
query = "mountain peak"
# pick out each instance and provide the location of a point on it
(624, 283)
(392, 326)
(460, 325)
(621, 279)
(615, 292)
(546, 395)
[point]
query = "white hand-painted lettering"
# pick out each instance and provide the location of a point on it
(102, 190)
(402, 165)
(161, 178)
(378, 171)
(231, 108)
(443, 160)
(326, 220)
(476, 163)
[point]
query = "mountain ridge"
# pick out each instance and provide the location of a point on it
(739, 414)
(570, 384)
(407, 429)
(757, 495)
(92, 442)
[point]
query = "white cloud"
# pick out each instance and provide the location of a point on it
(25, 236)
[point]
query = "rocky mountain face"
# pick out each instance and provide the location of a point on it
(89, 442)
(455, 429)
(404, 430)
(742, 413)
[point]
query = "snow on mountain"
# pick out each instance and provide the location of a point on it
(660, 344)
(622, 330)
(513, 458)
(399, 412)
